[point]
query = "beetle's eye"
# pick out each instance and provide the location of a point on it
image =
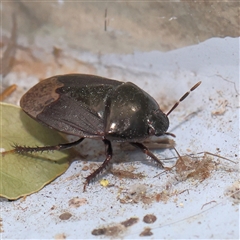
(151, 131)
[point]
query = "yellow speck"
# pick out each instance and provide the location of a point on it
(2, 150)
(104, 182)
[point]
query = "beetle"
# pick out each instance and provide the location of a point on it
(95, 107)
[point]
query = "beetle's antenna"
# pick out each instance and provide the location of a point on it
(183, 97)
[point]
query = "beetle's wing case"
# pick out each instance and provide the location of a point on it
(73, 104)
(127, 116)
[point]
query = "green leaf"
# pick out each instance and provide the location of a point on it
(24, 174)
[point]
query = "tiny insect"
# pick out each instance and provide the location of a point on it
(94, 107)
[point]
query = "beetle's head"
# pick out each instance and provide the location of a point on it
(158, 123)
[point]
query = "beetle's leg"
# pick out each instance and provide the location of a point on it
(109, 154)
(145, 150)
(23, 149)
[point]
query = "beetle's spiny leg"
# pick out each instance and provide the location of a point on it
(25, 149)
(145, 150)
(109, 154)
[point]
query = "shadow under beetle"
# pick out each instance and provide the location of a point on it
(90, 106)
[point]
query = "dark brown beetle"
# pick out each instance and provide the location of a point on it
(90, 106)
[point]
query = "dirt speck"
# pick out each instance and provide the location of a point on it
(60, 236)
(135, 194)
(146, 232)
(149, 218)
(113, 231)
(116, 229)
(53, 207)
(99, 231)
(1, 225)
(158, 197)
(126, 174)
(187, 167)
(221, 107)
(65, 216)
(129, 222)
(234, 192)
(77, 202)
(85, 168)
